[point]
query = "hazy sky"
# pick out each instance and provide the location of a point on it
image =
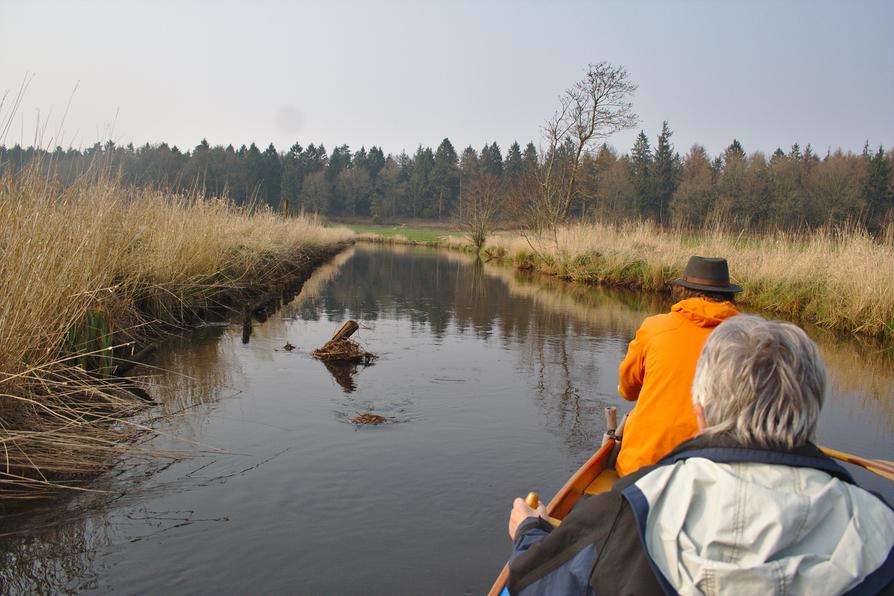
(400, 74)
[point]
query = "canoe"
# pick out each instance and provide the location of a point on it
(594, 477)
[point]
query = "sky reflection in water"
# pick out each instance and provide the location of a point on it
(495, 381)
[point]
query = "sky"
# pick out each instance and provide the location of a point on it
(399, 74)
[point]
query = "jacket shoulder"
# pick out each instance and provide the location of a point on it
(661, 323)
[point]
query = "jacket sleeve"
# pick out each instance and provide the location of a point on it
(633, 368)
(529, 532)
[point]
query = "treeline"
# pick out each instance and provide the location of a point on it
(789, 189)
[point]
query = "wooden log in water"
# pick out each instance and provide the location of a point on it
(345, 331)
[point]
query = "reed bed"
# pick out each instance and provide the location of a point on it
(90, 272)
(838, 279)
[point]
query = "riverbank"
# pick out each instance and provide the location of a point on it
(96, 271)
(404, 234)
(839, 280)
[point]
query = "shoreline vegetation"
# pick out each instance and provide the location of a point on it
(836, 279)
(94, 272)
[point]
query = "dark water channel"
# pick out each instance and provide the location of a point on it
(495, 383)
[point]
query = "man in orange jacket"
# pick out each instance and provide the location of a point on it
(659, 367)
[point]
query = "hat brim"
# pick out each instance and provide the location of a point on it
(727, 289)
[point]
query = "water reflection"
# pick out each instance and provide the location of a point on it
(861, 371)
(501, 377)
(343, 373)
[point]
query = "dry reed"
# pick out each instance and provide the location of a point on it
(837, 279)
(90, 270)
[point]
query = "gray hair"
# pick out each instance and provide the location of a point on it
(763, 382)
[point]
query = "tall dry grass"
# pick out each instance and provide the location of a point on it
(837, 279)
(96, 265)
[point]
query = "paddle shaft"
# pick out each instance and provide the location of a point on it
(880, 467)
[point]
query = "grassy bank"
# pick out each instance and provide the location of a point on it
(91, 272)
(838, 280)
(404, 235)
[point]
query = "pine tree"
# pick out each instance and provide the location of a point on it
(254, 173)
(641, 176)
(530, 157)
(445, 177)
(421, 192)
(339, 160)
(272, 176)
(665, 173)
(877, 190)
(735, 149)
(292, 176)
(513, 165)
(375, 161)
(491, 159)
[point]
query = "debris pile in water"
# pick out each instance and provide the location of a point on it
(370, 418)
(340, 348)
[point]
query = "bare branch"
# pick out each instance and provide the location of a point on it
(595, 108)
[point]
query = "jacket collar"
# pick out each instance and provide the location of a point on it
(704, 312)
(725, 449)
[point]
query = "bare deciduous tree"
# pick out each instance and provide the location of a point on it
(596, 107)
(480, 199)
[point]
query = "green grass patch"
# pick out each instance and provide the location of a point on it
(413, 234)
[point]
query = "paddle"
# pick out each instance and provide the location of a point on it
(881, 467)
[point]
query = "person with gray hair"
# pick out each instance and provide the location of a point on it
(762, 382)
(748, 506)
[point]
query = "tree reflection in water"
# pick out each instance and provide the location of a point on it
(567, 340)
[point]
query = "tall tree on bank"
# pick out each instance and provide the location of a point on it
(513, 165)
(665, 174)
(480, 196)
(596, 107)
(271, 177)
(445, 177)
(338, 161)
(422, 195)
(491, 159)
(877, 189)
(292, 177)
(694, 197)
(640, 166)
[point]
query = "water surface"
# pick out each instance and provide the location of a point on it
(495, 382)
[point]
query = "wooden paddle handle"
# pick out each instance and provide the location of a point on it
(880, 467)
(532, 500)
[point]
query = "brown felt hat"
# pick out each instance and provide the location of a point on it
(708, 274)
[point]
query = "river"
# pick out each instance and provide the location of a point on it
(493, 382)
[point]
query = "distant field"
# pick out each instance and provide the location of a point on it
(411, 234)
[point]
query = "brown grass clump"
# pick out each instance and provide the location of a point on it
(92, 270)
(370, 418)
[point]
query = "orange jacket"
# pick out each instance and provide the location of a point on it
(657, 373)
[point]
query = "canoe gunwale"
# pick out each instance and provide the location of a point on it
(567, 497)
